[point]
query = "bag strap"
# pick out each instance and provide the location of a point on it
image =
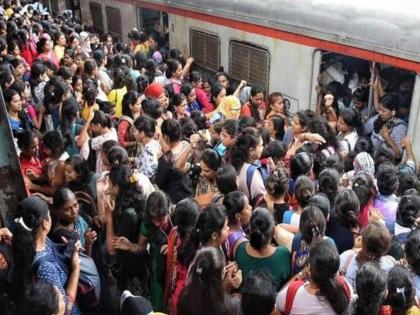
(83, 196)
(128, 119)
(249, 174)
(290, 295)
(347, 262)
(341, 280)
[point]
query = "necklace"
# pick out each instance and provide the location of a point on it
(163, 231)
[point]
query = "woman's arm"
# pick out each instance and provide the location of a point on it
(239, 88)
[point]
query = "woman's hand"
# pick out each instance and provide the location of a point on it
(122, 243)
(164, 249)
(75, 259)
(375, 215)
(194, 139)
(90, 237)
(5, 235)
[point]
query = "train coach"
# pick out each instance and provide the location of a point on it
(281, 44)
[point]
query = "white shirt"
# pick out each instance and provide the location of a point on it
(347, 142)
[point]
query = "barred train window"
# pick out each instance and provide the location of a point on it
(113, 19)
(249, 62)
(97, 18)
(205, 49)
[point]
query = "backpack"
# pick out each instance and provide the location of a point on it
(89, 286)
(295, 285)
(250, 173)
(88, 208)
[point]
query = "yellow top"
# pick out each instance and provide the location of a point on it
(143, 47)
(116, 97)
(86, 110)
(59, 52)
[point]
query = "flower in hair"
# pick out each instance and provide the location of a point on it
(199, 270)
(133, 178)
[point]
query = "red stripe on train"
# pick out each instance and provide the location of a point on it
(286, 36)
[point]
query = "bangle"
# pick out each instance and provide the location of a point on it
(70, 299)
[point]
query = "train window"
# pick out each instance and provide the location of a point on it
(152, 20)
(352, 81)
(97, 17)
(249, 62)
(205, 49)
(113, 19)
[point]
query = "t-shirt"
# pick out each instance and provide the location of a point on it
(97, 146)
(257, 183)
(386, 263)
(388, 205)
(278, 264)
(291, 217)
(147, 161)
(308, 304)
(342, 236)
(347, 142)
(116, 97)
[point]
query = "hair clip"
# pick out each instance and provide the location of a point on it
(115, 162)
(401, 290)
(22, 223)
(199, 270)
(356, 185)
(133, 179)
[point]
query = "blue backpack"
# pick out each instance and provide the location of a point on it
(89, 286)
(250, 173)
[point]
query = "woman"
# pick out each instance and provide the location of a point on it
(364, 188)
(371, 291)
(123, 228)
(239, 213)
(228, 108)
(56, 92)
(401, 292)
(202, 97)
(18, 119)
(244, 154)
(276, 107)
(190, 92)
(30, 163)
(67, 221)
(348, 124)
(259, 254)
(255, 107)
(325, 292)
(45, 51)
(53, 150)
(42, 297)
(38, 79)
(118, 91)
(375, 243)
(77, 85)
(204, 293)
(275, 126)
(182, 247)
(206, 188)
(31, 244)
(19, 68)
(82, 181)
(174, 74)
(147, 161)
(412, 253)
(218, 92)
(131, 110)
(228, 136)
(343, 227)
(179, 105)
(69, 127)
(60, 45)
(171, 174)
(24, 90)
(100, 125)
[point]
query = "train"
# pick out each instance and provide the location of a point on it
(281, 44)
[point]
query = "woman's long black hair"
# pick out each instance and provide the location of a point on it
(324, 263)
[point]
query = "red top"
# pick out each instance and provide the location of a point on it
(51, 57)
(34, 164)
(203, 100)
(123, 132)
(29, 52)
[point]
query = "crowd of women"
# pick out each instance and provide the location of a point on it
(193, 195)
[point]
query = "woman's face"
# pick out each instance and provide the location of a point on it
(79, 61)
(257, 99)
(246, 212)
(227, 139)
(278, 105)
(47, 46)
(15, 104)
(328, 99)
(26, 92)
(136, 107)
(268, 124)
(181, 109)
(223, 81)
(297, 128)
(78, 87)
(178, 72)
(70, 175)
(255, 153)
(160, 222)
(206, 87)
(384, 113)
(223, 234)
(16, 51)
(33, 148)
(62, 40)
(69, 211)
(163, 101)
(75, 43)
(191, 97)
(113, 189)
(207, 172)
(219, 97)
(68, 60)
(342, 126)
(19, 71)
(198, 83)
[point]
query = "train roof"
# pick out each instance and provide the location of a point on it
(388, 27)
